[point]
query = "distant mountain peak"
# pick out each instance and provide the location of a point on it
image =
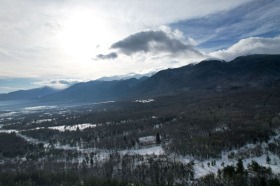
(126, 76)
(213, 59)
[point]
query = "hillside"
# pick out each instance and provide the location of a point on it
(246, 71)
(28, 94)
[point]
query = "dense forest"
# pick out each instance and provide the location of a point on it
(228, 137)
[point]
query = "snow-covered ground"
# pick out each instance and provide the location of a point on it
(8, 131)
(201, 167)
(73, 127)
(221, 129)
(40, 107)
(103, 102)
(156, 150)
(8, 114)
(43, 120)
(147, 139)
(157, 126)
(144, 101)
(32, 140)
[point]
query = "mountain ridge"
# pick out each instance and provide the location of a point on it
(253, 70)
(244, 71)
(28, 94)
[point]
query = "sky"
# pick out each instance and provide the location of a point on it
(61, 42)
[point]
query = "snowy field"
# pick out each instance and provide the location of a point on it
(156, 150)
(144, 101)
(73, 127)
(201, 168)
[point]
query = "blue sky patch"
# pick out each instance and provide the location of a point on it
(223, 29)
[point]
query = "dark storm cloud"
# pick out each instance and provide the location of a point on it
(111, 55)
(151, 41)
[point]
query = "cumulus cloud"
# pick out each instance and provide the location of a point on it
(252, 45)
(111, 55)
(152, 41)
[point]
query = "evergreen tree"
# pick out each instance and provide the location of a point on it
(158, 141)
(239, 167)
(268, 160)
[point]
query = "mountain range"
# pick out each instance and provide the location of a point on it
(259, 71)
(28, 94)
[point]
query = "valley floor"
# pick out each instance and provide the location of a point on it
(192, 138)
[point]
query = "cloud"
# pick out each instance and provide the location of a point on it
(152, 41)
(58, 83)
(57, 39)
(64, 82)
(50, 39)
(111, 55)
(222, 29)
(252, 45)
